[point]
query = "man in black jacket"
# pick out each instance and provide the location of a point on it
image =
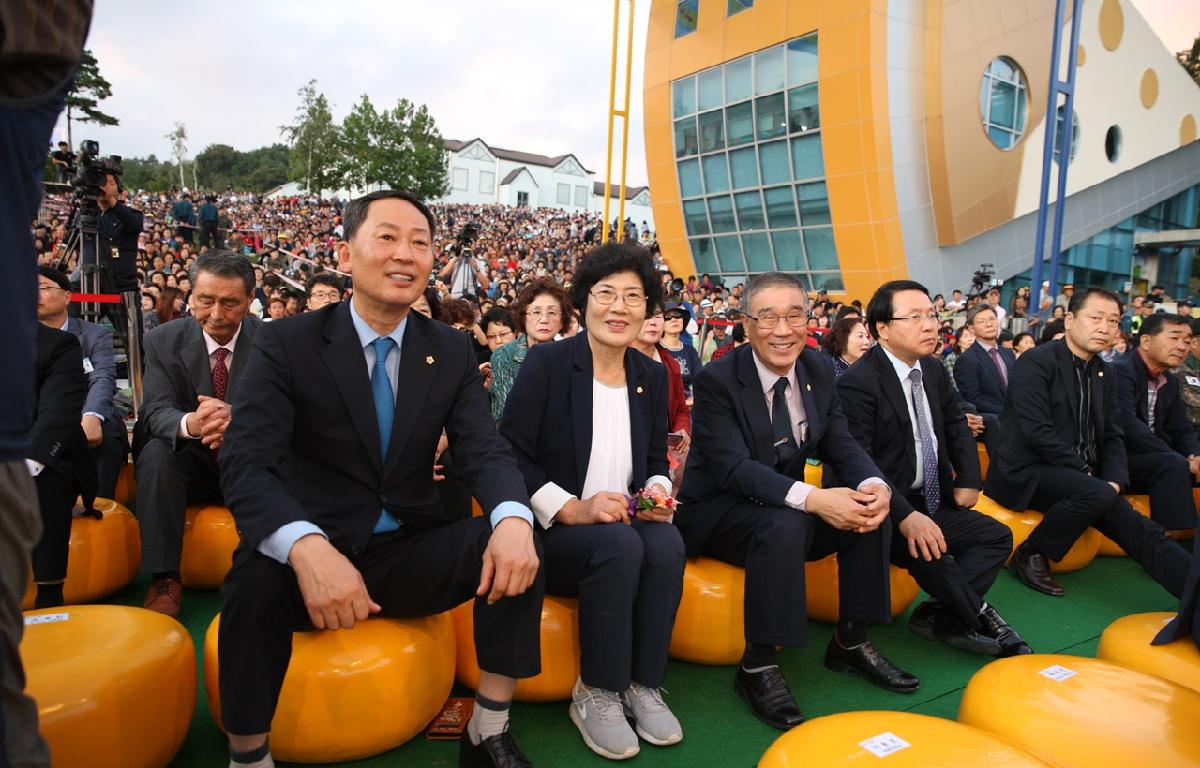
(981, 372)
(119, 227)
(1062, 452)
(901, 407)
(760, 412)
(1160, 442)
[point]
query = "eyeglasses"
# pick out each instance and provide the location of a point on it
(49, 288)
(549, 314)
(500, 335)
(606, 296)
(928, 317)
(769, 321)
(331, 295)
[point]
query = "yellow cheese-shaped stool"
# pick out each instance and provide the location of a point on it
(709, 625)
(105, 555)
(352, 693)
(895, 740)
(1022, 523)
(209, 538)
(126, 490)
(115, 686)
(560, 650)
(1127, 641)
(1075, 712)
(821, 589)
(984, 460)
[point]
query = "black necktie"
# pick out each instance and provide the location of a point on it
(781, 423)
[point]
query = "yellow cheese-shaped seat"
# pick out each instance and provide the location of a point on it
(209, 538)
(105, 555)
(1022, 523)
(1127, 641)
(126, 490)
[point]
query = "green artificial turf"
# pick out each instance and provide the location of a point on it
(718, 730)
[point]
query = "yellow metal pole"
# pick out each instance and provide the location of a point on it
(612, 95)
(625, 126)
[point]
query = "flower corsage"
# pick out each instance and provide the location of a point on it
(649, 498)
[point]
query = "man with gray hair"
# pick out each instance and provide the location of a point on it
(193, 365)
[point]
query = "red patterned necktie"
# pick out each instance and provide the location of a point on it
(220, 373)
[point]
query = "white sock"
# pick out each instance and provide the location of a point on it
(266, 762)
(489, 719)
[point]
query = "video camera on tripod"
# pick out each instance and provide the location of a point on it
(88, 183)
(984, 278)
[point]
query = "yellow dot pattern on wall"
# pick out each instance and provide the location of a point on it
(1080, 55)
(1149, 88)
(1112, 24)
(1187, 130)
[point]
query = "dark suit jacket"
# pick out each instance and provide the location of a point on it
(304, 441)
(1173, 430)
(97, 343)
(877, 411)
(732, 459)
(1041, 403)
(548, 415)
(178, 371)
(979, 381)
(57, 437)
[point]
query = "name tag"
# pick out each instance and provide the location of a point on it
(88, 367)
(1192, 381)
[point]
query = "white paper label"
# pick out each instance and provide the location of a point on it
(46, 618)
(884, 744)
(87, 365)
(1192, 380)
(1057, 673)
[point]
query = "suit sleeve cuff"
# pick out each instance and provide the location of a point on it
(547, 501)
(662, 482)
(871, 481)
(278, 546)
(797, 495)
(511, 509)
(183, 430)
(98, 416)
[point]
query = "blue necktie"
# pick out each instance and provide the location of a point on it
(929, 460)
(385, 413)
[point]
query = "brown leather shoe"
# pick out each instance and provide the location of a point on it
(1033, 570)
(164, 597)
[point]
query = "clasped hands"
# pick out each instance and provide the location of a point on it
(847, 509)
(209, 421)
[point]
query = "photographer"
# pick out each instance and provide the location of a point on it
(466, 273)
(119, 227)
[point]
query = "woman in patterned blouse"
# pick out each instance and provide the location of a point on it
(539, 315)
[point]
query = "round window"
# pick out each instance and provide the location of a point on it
(1112, 143)
(1004, 102)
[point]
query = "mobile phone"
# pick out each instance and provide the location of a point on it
(674, 439)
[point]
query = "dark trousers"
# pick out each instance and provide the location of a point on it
(628, 579)
(1165, 476)
(976, 549)
(209, 235)
(991, 435)
(111, 455)
(56, 497)
(1071, 502)
(167, 481)
(772, 543)
(409, 572)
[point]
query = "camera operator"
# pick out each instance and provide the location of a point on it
(119, 228)
(467, 275)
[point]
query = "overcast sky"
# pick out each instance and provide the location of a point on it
(531, 75)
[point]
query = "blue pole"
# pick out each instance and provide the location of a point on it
(1064, 149)
(1039, 250)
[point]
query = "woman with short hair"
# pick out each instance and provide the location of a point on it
(542, 312)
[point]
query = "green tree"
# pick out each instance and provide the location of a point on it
(1190, 60)
(313, 141)
(83, 100)
(400, 148)
(178, 139)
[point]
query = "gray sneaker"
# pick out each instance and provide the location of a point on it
(655, 723)
(600, 718)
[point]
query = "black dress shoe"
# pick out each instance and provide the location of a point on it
(933, 619)
(1033, 569)
(498, 751)
(768, 697)
(924, 616)
(866, 660)
(1011, 643)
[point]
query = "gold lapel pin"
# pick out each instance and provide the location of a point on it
(808, 387)
(429, 360)
(639, 390)
(1102, 374)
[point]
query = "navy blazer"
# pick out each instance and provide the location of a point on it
(304, 440)
(979, 381)
(732, 459)
(877, 411)
(1173, 430)
(548, 415)
(1042, 399)
(57, 439)
(97, 343)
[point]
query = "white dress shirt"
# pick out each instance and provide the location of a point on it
(902, 370)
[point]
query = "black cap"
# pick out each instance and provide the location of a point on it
(59, 278)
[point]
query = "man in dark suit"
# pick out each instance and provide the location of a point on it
(1160, 442)
(194, 367)
(901, 407)
(982, 371)
(1062, 452)
(102, 426)
(760, 412)
(328, 470)
(59, 459)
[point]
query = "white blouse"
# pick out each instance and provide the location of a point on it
(610, 466)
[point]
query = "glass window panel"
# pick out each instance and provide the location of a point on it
(689, 178)
(738, 84)
(685, 17)
(737, 6)
(757, 248)
(739, 119)
(716, 174)
(729, 253)
(781, 210)
(695, 217)
(772, 162)
(686, 138)
(818, 244)
(768, 70)
(743, 167)
(769, 119)
(712, 131)
(683, 96)
(1002, 68)
(807, 162)
(709, 88)
(803, 112)
(827, 281)
(1002, 110)
(720, 213)
(789, 257)
(1000, 137)
(802, 60)
(813, 200)
(704, 255)
(749, 211)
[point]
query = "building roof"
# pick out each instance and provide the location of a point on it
(527, 158)
(514, 173)
(614, 190)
